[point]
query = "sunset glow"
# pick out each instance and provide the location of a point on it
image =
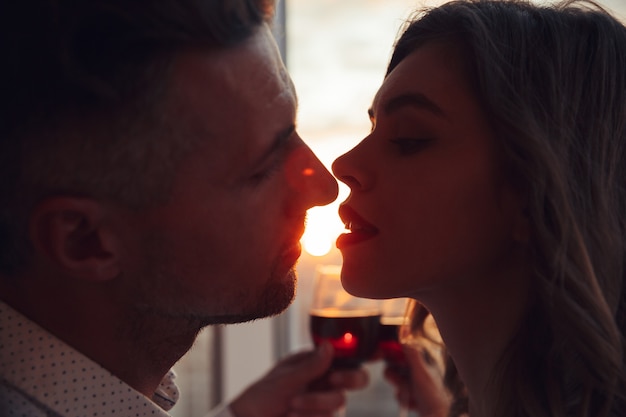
(323, 226)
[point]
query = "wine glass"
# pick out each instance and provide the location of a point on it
(393, 318)
(351, 324)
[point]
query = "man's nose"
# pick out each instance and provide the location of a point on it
(314, 184)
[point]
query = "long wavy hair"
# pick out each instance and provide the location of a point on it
(552, 80)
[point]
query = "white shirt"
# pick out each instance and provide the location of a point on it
(41, 376)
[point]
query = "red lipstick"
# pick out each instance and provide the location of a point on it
(359, 229)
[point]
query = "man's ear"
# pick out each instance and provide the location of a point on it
(73, 234)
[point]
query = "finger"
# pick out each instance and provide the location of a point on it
(296, 359)
(403, 395)
(402, 385)
(422, 369)
(349, 379)
(428, 391)
(312, 414)
(396, 376)
(318, 402)
(307, 366)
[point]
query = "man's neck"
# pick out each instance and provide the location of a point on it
(138, 348)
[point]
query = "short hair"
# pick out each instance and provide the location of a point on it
(552, 80)
(82, 83)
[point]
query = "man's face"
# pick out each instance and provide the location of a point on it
(223, 248)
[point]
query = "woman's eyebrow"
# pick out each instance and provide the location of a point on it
(415, 100)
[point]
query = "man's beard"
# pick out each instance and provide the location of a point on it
(274, 299)
(158, 297)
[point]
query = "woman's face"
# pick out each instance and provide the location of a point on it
(429, 207)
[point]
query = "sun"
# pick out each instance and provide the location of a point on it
(322, 229)
(323, 223)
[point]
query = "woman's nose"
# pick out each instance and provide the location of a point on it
(345, 172)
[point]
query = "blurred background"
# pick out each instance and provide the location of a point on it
(336, 52)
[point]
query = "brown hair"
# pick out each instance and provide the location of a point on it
(552, 79)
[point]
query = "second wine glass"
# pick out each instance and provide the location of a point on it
(393, 319)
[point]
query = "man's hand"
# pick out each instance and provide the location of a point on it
(286, 390)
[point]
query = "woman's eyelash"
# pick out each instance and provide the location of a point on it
(410, 145)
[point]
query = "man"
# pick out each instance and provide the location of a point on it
(151, 183)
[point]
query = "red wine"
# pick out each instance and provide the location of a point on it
(389, 341)
(353, 334)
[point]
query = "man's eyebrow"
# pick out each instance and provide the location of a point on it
(416, 100)
(280, 139)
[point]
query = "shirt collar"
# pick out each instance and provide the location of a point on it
(64, 380)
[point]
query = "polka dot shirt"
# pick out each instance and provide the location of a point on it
(40, 376)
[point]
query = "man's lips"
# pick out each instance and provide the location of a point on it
(292, 252)
(292, 249)
(359, 229)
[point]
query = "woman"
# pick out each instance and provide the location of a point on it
(492, 189)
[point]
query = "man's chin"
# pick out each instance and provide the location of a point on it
(272, 301)
(278, 296)
(268, 311)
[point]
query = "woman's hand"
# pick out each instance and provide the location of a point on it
(422, 389)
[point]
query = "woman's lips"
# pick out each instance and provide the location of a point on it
(359, 229)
